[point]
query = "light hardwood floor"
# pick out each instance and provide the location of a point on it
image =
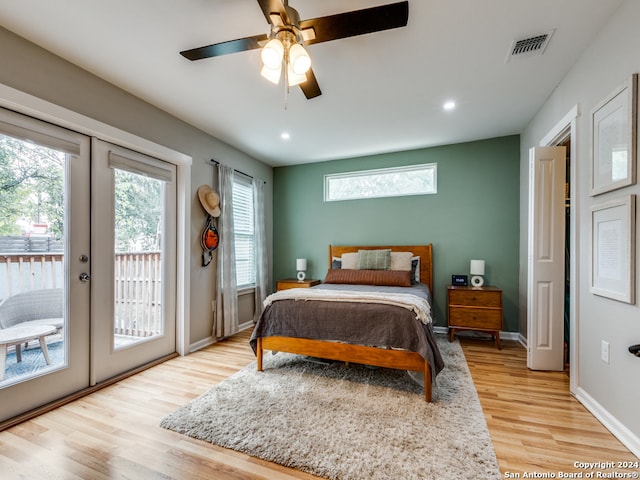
(535, 424)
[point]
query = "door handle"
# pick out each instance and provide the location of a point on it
(635, 349)
(84, 277)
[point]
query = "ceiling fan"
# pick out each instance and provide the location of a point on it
(288, 36)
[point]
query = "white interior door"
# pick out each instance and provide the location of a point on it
(44, 200)
(134, 268)
(546, 255)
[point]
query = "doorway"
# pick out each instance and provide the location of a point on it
(133, 223)
(89, 264)
(566, 143)
(564, 134)
(44, 230)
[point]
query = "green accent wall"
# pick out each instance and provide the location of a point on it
(475, 214)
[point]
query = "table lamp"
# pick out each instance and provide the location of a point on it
(477, 273)
(301, 266)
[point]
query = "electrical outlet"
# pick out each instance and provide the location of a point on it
(604, 352)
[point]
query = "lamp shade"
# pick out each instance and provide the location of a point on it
(293, 78)
(301, 264)
(271, 74)
(477, 267)
(299, 59)
(272, 53)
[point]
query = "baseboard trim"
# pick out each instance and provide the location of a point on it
(200, 344)
(622, 433)
(473, 333)
(205, 342)
(523, 340)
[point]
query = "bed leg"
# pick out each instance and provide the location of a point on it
(427, 382)
(259, 354)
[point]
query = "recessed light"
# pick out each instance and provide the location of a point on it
(450, 105)
(285, 136)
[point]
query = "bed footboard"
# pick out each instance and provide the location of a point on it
(379, 357)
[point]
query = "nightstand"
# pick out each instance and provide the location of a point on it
(295, 283)
(474, 308)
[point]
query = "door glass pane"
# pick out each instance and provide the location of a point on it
(32, 232)
(139, 201)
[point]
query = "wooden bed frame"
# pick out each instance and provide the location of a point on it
(379, 357)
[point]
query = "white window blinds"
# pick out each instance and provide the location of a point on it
(244, 232)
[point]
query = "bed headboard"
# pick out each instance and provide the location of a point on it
(425, 252)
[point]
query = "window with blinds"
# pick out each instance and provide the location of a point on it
(244, 232)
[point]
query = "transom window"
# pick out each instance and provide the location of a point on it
(382, 182)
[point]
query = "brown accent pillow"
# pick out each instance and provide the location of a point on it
(388, 278)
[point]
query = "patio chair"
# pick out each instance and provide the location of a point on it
(35, 307)
(38, 307)
(29, 316)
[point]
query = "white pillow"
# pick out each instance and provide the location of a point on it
(401, 261)
(350, 260)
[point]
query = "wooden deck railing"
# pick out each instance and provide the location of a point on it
(138, 287)
(138, 294)
(23, 272)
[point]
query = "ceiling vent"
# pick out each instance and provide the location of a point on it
(527, 47)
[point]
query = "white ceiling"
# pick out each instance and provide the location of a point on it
(380, 92)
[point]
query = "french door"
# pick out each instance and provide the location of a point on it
(133, 222)
(87, 262)
(45, 251)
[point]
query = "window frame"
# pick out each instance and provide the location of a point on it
(328, 178)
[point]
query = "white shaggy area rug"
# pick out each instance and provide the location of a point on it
(348, 422)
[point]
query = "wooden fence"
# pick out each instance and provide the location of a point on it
(138, 286)
(22, 244)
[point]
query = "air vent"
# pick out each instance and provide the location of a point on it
(526, 47)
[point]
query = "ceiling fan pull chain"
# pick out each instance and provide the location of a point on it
(286, 86)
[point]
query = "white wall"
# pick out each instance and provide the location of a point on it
(609, 390)
(33, 70)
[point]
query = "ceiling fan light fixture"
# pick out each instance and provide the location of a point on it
(285, 26)
(272, 54)
(272, 74)
(299, 59)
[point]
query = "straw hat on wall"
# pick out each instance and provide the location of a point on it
(210, 200)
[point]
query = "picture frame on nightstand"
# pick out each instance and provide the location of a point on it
(460, 280)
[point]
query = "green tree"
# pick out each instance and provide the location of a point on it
(138, 212)
(31, 186)
(32, 192)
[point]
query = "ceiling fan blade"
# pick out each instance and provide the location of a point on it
(224, 48)
(273, 6)
(357, 22)
(310, 86)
